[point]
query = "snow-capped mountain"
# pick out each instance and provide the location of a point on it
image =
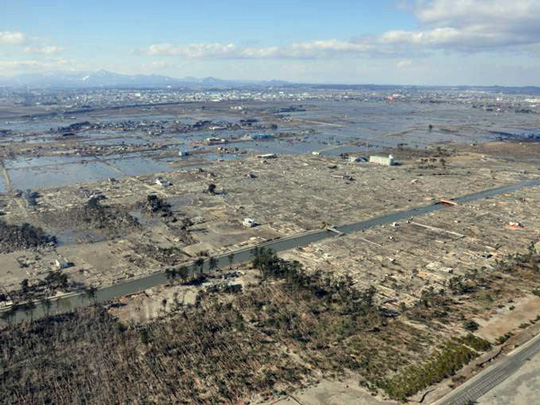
(104, 78)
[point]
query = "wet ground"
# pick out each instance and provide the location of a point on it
(327, 127)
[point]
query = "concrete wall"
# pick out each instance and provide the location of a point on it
(382, 160)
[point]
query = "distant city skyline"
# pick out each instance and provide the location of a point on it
(416, 42)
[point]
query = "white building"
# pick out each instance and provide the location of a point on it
(162, 182)
(267, 156)
(214, 141)
(62, 263)
(382, 160)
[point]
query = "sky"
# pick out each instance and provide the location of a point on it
(410, 42)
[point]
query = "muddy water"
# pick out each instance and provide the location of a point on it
(373, 125)
(138, 166)
(24, 162)
(55, 176)
(74, 237)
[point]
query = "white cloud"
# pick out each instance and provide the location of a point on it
(10, 64)
(402, 64)
(475, 25)
(299, 50)
(472, 12)
(194, 50)
(11, 38)
(17, 42)
(449, 25)
(434, 37)
(449, 38)
(9, 67)
(47, 50)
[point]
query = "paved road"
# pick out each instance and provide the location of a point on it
(68, 303)
(493, 376)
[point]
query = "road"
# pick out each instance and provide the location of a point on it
(74, 300)
(488, 379)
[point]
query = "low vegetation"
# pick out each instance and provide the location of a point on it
(94, 215)
(211, 352)
(25, 236)
(451, 357)
(266, 339)
(202, 356)
(54, 282)
(157, 206)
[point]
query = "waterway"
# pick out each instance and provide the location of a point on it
(71, 302)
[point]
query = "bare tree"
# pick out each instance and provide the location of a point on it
(183, 273)
(46, 306)
(90, 293)
(28, 309)
(200, 264)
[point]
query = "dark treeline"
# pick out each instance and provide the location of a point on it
(266, 340)
(25, 236)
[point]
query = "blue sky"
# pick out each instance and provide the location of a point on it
(352, 41)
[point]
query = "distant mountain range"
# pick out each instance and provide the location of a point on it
(106, 79)
(103, 78)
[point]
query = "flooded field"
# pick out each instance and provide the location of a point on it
(2, 185)
(29, 162)
(138, 166)
(125, 142)
(68, 237)
(59, 175)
